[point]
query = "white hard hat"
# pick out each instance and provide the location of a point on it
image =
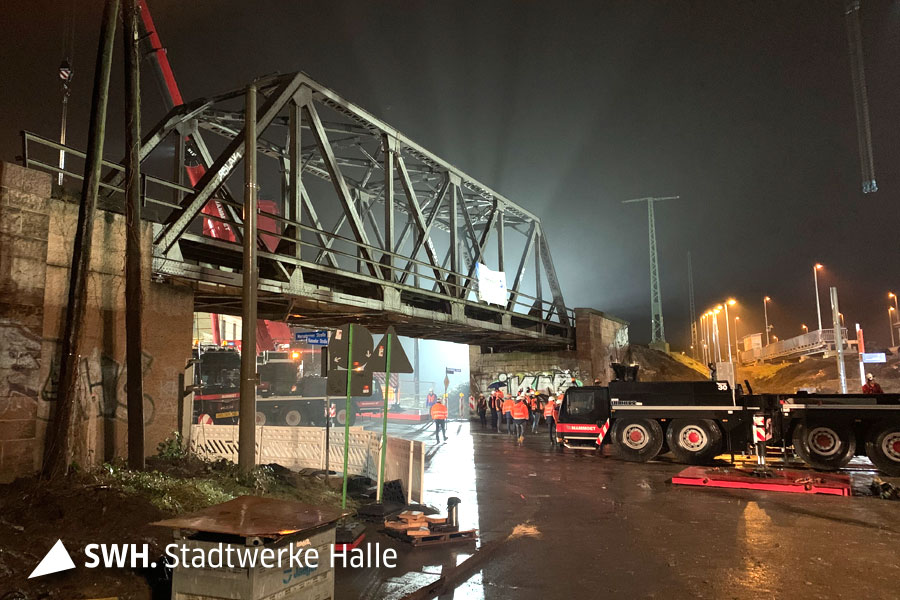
(869, 376)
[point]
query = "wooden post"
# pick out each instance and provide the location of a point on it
(56, 459)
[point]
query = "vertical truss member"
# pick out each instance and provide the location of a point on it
(860, 97)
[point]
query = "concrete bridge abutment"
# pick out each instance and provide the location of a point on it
(599, 340)
(36, 233)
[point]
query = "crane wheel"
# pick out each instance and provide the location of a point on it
(824, 446)
(694, 441)
(883, 448)
(293, 417)
(637, 440)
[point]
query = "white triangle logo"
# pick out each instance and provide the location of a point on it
(56, 560)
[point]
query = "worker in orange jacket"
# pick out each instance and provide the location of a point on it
(520, 416)
(550, 417)
(507, 407)
(534, 403)
(439, 416)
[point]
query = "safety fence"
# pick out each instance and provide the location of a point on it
(298, 448)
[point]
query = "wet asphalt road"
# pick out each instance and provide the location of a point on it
(576, 524)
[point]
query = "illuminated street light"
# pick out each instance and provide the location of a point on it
(805, 328)
(816, 280)
(766, 301)
(891, 323)
(715, 315)
(893, 297)
(727, 303)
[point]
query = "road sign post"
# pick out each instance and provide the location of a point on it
(386, 359)
(386, 390)
(347, 415)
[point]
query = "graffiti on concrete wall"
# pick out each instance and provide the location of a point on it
(556, 380)
(20, 362)
(102, 381)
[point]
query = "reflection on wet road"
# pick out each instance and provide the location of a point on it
(591, 526)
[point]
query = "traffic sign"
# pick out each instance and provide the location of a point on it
(399, 360)
(451, 370)
(313, 338)
(874, 357)
(340, 362)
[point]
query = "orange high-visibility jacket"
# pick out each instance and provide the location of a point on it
(549, 408)
(534, 402)
(508, 405)
(439, 412)
(520, 411)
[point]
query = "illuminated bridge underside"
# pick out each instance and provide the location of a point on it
(402, 249)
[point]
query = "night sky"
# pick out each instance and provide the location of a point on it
(744, 109)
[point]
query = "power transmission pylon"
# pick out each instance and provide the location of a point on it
(657, 331)
(860, 97)
(695, 339)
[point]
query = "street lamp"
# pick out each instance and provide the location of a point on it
(816, 280)
(766, 301)
(893, 297)
(891, 323)
(805, 328)
(727, 303)
(715, 315)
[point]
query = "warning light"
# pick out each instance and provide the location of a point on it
(295, 354)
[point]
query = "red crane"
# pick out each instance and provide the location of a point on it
(268, 333)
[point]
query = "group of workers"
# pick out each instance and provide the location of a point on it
(516, 413)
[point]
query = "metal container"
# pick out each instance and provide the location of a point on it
(252, 525)
(258, 582)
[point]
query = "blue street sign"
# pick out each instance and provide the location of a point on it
(874, 357)
(313, 338)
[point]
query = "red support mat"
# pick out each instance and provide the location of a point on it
(801, 482)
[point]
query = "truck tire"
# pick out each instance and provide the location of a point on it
(293, 417)
(341, 417)
(694, 441)
(637, 440)
(261, 418)
(824, 446)
(883, 448)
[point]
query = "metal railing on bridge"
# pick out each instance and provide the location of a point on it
(812, 342)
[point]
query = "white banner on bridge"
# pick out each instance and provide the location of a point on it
(491, 285)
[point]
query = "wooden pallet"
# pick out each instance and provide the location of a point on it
(449, 537)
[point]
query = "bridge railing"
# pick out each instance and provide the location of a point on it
(161, 196)
(807, 343)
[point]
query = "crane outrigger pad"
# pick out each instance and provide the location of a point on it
(775, 480)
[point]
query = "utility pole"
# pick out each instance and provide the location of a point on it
(56, 459)
(133, 273)
(66, 72)
(818, 304)
(860, 97)
(838, 339)
(250, 274)
(657, 331)
(694, 337)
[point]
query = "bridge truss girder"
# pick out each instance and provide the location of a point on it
(409, 227)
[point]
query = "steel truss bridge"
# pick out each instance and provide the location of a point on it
(408, 231)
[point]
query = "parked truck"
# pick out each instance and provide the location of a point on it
(698, 420)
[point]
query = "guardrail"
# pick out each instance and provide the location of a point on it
(298, 448)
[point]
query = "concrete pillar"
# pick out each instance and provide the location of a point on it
(599, 340)
(24, 218)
